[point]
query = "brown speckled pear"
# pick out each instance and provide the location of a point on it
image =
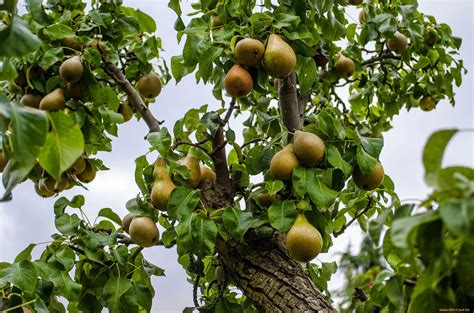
(191, 161)
(87, 175)
(126, 110)
(127, 219)
(283, 163)
(31, 100)
(345, 67)
(308, 147)
(238, 82)
(266, 199)
(427, 103)
(79, 166)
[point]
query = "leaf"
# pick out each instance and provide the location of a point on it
(376, 225)
(140, 163)
(67, 224)
(58, 31)
(320, 194)
(22, 274)
(365, 161)
(147, 23)
(139, 295)
(458, 215)
(182, 202)
(258, 159)
(433, 154)
(237, 222)
(111, 215)
(152, 269)
(306, 72)
(161, 141)
(274, 186)
(335, 159)
(17, 39)
(184, 231)
(464, 268)
(373, 146)
(282, 214)
(25, 254)
(67, 288)
(403, 228)
(63, 146)
(205, 233)
(28, 136)
(113, 291)
(301, 179)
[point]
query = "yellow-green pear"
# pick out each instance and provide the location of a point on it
(74, 91)
(127, 219)
(216, 21)
(207, 174)
(249, 51)
(79, 166)
(308, 147)
(266, 199)
(427, 103)
(88, 174)
(31, 100)
(303, 241)
(362, 16)
(143, 231)
(70, 42)
(55, 186)
(53, 101)
(283, 163)
(370, 182)
(149, 85)
(279, 59)
(71, 70)
(42, 191)
(126, 110)
(191, 161)
(238, 82)
(219, 274)
(345, 67)
(398, 44)
(162, 186)
(3, 161)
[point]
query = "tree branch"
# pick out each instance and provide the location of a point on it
(368, 207)
(379, 58)
(289, 107)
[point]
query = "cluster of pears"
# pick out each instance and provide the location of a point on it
(142, 230)
(306, 148)
(46, 186)
(279, 61)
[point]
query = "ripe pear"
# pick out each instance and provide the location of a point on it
(303, 241)
(427, 103)
(398, 44)
(283, 163)
(127, 219)
(191, 161)
(362, 16)
(207, 174)
(370, 182)
(162, 187)
(249, 51)
(355, 2)
(216, 21)
(87, 175)
(308, 147)
(70, 42)
(55, 186)
(79, 166)
(149, 85)
(219, 274)
(266, 199)
(279, 59)
(53, 101)
(238, 82)
(3, 162)
(31, 100)
(74, 91)
(42, 191)
(345, 67)
(126, 110)
(143, 231)
(71, 70)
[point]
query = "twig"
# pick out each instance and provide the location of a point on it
(77, 249)
(252, 141)
(368, 207)
(379, 58)
(136, 253)
(197, 145)
(229, 111)
(195, 287)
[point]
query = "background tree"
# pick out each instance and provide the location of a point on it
(200, 220)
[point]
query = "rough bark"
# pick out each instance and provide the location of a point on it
(289, 108)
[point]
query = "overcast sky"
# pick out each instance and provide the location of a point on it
(28, 218)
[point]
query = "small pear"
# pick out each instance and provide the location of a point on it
(216, 21)
(398, 44)
(303, 241)
(71, 70)
(238, 82)
(87, 175)
(74, 91)
(249, 51)
(70, 42)
(42, 191)
(431, 37)
(266, 199)
(308, 147)
(207, 174)
(126, 110)
(162, 187)
(3, 161)
(345, 67)
(427, 103)
(55, 186)
(127, 219)
(362, 16)
(279, 59)
(149, 85)
(79, 166)
(283, 163)
(31, 100)
(374, 180)
(191, 161)
(143, 231)
(53, 101)
(219, 274)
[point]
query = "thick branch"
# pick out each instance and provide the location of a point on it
(288, 102)
(133, 96)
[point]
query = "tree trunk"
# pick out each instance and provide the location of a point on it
(269, 277)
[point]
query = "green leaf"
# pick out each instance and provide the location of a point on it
(28, 136)
(67, 224)
(17, 39)
(282, 20)
(282, 214)
(302, 177)
(58, 31)
(403, 228)
(147, 23)
(64, 145)
(448, 177)
(320, 194)
(376, 225)
(205, 233)
(151, 269)
(335, 159)
(258, 159)
(433, 154)
(237, 222)
(373, 146)
(184, 231)
(22, 274)
(51, 57)
(25, 254)
(161, 141)
(182, 202)
(67, 258)
(458, 215)
(306, 72)
(274, 186)
(365, 161)
(464, 268)
(139, 295)
(111, 215)
(113, 291)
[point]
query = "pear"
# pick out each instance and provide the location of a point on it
(266, 199)
(321, 59)
(249, 51)
(55, 186)
(370, 182)
(219, 274)
(398, 44)
(31, 100)
(308, 147)
(79, 166)
(345, 67)
(191, 161)
(355, 2)
(87, 175)
(162, 187)
(21, 80)
(238, 82)
(3, 162)
(207, 174)
(362, 16)
(143, 231)
(149, 85)
(71, 70)
(216, 21)
(42, 191)
(53, 101)
(283, 163)
(70, 42)
(427, 103)
(303, 241)
(279, 59)
(74, 91)
(126, 110)
(127, 219)
(431, 37)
